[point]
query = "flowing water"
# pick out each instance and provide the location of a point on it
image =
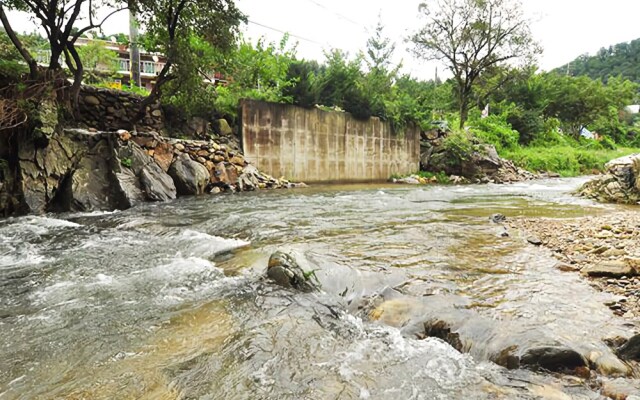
(166, 301)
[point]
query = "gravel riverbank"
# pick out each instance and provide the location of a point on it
(605, 249)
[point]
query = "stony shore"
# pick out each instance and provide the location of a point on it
(604, 249)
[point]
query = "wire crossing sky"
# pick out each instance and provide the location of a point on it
(565, 28)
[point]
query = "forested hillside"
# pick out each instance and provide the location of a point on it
(621, 59)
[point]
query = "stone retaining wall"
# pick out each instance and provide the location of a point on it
(106, 109)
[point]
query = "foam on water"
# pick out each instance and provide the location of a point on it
(183, 267)
(30, 257)
(204, 244)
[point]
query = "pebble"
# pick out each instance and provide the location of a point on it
(591, 241)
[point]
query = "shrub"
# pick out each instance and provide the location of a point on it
(458, 146)
(494, 130)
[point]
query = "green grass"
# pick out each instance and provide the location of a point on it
(565, 160)
(440, 176)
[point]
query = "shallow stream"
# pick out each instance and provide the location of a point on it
(166, 301)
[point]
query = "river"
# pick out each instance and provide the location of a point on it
(166, 301)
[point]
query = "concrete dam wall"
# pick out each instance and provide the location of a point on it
(312, 145)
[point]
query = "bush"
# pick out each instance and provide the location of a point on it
(529, 124)
(458, 146)
(494, 130)
(565, 160)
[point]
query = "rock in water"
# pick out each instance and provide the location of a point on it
(284, 270)
(498, 218)
(631, 349)
(552, 358)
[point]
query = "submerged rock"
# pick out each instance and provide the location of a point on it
(552, 358)
(506, 343)
(285, 271)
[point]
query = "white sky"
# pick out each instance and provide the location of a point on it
(565, 28)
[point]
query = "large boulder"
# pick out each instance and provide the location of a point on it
(477, 163)
(155, 184)
(190, 177)
(619, 184)
(94, 186)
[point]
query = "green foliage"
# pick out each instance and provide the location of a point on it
(342, 83)
(135, 89)
(126, 162)
(617, 60)
(11, 63)
(260, 72)
(378, 82)
(194, 36)
(565, 160)
(496, 131)
(140, 91)
(302, 78)
(99, 61)
(581, 101)
(441, 177)
(458, 146)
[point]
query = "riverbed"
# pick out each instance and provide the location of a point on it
(168, 301)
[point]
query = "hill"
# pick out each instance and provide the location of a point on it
(621, 59)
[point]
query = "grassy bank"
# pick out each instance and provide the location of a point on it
(563, 159)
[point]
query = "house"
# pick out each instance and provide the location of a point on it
(151, 64)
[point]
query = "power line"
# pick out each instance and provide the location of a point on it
(286, 33)
(339, 15)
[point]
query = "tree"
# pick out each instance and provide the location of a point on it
(179, 29)
(98, 61)
(582, 101)
(302, 75)
(381, 75)
(259, 72)
(341, 84)
(471, 36)
(64, 21)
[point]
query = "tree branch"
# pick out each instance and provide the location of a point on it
(95, 26)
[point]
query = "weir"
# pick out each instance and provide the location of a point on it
(313, 145)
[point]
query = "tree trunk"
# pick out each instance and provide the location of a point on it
(31, 62)
(77, 76)
(464, 109)
(56, 53)
(154, 95)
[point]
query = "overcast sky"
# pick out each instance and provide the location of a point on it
(565, 28)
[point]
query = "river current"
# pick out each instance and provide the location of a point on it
(167, 301)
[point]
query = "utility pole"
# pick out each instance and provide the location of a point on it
(134, 50)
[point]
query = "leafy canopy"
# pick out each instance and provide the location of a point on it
(472, 36)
